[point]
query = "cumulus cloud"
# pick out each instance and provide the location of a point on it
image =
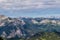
(28, 4)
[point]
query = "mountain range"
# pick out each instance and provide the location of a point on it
(23, 27)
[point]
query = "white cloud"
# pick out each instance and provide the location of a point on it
(28, 4)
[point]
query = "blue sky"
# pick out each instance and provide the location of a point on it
(30, 8)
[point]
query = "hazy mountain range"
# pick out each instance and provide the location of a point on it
(23, 27)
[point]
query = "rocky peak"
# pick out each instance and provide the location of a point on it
(2, 17)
